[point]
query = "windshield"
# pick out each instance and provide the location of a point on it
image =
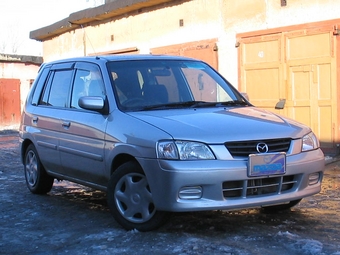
(159, 84)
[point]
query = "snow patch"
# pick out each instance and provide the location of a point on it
(301, 245)
(109, 235)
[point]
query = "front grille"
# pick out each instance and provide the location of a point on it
(258, 187)
(244, 148)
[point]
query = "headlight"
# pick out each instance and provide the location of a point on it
(184, 150)
(310, 142)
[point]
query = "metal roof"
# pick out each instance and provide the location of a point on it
(21, 58)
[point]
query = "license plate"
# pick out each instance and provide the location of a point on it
(266, 164)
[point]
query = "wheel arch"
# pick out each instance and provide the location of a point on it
(120, 159)
(24, 145)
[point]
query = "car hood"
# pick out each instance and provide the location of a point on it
(218, 125)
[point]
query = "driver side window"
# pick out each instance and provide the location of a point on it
(80, 87)
(87, 82)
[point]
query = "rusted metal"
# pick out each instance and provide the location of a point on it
(9, 102)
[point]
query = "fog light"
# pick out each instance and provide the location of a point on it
(190, 192)
(314, 178)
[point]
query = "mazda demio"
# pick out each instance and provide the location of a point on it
(162, 134)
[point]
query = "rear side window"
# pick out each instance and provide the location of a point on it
(57, 89)
(39, 86)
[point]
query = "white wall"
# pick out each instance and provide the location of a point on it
(203, 19)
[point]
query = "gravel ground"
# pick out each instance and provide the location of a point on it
(73, 219)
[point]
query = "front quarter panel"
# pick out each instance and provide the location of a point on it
(131, 137)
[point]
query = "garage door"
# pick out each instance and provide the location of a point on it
(204, 50)
(298, 67)
(9, 102)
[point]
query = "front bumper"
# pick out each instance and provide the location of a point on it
(214, 178)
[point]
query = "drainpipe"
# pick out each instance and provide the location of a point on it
(84, 39)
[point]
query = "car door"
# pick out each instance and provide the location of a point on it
(81, 142)
(49, 102)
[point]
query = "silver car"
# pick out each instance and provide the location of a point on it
(162, 134)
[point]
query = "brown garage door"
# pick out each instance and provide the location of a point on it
(297, 66)
(9, 102)
(204, 50)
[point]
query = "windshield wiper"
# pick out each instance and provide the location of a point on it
(218, 104)
(234, 102)
(169, 105)
(191, 104)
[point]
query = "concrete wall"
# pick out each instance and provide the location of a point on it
(203, 19)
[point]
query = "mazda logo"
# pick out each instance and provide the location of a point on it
(262, 148)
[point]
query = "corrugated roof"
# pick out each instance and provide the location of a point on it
(87, 16)
(21, 58)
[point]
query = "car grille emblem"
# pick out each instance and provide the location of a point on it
(262, 148)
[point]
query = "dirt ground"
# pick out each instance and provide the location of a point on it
(73, 219)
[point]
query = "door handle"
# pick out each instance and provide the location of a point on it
(66, 124)
(35, 120)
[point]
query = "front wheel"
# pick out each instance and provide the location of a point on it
(37, 180)
(130, 199)
(282, 207)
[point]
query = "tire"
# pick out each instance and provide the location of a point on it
(130, 200)
(282, 207)
(37, 180)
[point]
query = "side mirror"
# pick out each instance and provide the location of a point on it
(281, 104)
(91, 103)
(245, 95)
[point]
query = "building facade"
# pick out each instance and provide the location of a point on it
(275, 50)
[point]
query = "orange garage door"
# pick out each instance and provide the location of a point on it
(298, 67)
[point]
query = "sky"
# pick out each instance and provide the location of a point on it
(19, 17)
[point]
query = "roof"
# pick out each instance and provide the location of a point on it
(132, 57)
(96, 14)
(21, 58)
